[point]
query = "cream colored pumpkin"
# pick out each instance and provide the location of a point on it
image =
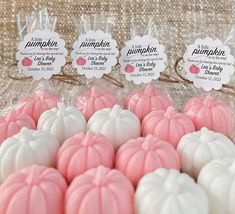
(199, 148)
(169, 192)
(115, 123)
(62, 122)
(218, 178)
(27, 148)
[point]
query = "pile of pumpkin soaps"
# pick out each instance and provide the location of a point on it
(101, 158)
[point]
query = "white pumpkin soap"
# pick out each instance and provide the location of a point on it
(62, 122)
(199, 148)
(115, 123)
(218, 179)
(169, 192)
(27, 148)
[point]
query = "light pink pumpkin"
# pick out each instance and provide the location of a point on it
(211, 113)
(142, 155)
(33, 190)
(93, 100)
(35, 104)
(167, 125)
(12, 124)
(101, 191)
(145, 100)
(82, 152)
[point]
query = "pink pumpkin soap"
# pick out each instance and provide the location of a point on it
(167, 125)
(142, 155)
(100, 191)
(93, 100)
(82, 152)
(35, 104)
(33, 190)
(145, 100)
(211, 113)
(12, 124)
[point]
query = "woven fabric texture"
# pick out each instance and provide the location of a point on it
(180, 22)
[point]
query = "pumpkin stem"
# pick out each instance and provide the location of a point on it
(170, 112)
(25, 134)
(115, 110)
(149, 90)
(61, 108)
(87, 141)
(149, 143)
(208, 101)
(100, 175)
(94, 92)
(205, 133)
(34, 175)
(11, 116)
(170, 184)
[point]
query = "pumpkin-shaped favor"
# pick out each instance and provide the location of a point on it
(211, 113)
(82, 152)
(101, 191)
(142, 155)
(27, 148)
(93, 100)
(116, 124)
(35, 104)
(199, 148)
(167, 125)
(33, 190)
(62, 122)
(217, 178)
(169, 192)
(13, 122)
(145, 100)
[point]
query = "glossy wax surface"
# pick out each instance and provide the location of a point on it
(167, 125)
(82, 152)
(146, 99)
(211, 113)
(33, 190)
(93, 100)
(142, 155)
(101, 191)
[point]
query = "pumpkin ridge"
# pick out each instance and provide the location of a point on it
(212, 183)
(125, 168)
(230, 193)
(223, 118)
(44, 197)
(146, 154)
(66, 168)
(195, 155)
(8, 205)
(9, 150)
(115, 198)
(221, 147)
(155, 127)
(82, 199)
(99, 154)
(9, 196)
(34, 147)
(131, 154)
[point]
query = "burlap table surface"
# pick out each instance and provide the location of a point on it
(180, 20)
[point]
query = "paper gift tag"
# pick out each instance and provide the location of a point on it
(208, 63)
(142, 59)
(41, 54)
(94, 54)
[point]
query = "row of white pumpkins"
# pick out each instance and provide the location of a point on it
(163, 191)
